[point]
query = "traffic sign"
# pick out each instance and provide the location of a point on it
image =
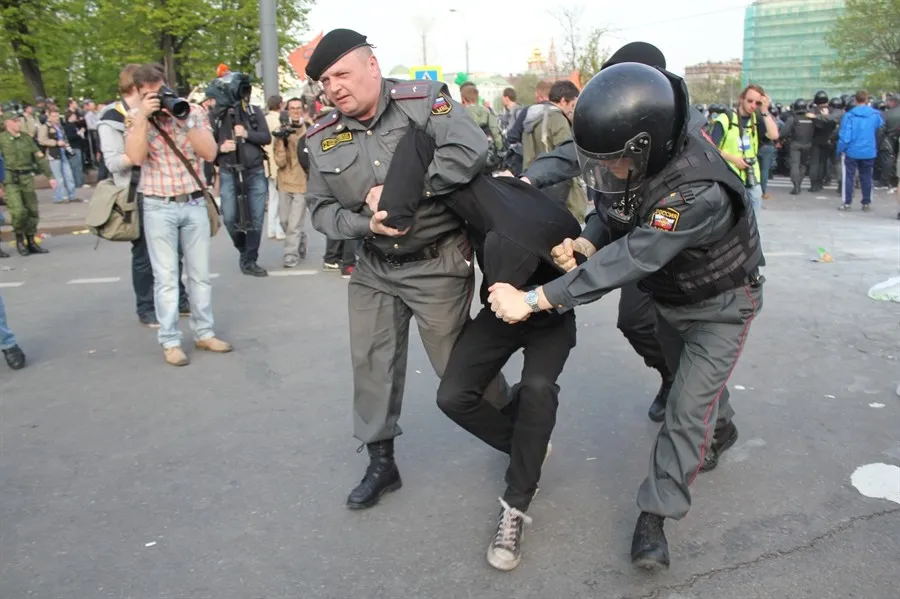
(427, 72)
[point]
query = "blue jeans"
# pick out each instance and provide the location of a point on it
(754, 194)
(165, 223)
(247, 243)
(7, 339)
(865, 167)
(76, 163)
(65, 182)
(766, 161)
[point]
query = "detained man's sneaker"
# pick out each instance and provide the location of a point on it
(15, 357)
(149, 320)
(175, 356)
(505, 550)
(649, 548)
(214, 344)
(331, 266)
(291, 262)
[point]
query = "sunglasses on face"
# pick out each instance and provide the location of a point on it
(755, 102)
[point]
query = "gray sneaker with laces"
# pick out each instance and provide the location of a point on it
(505, 550)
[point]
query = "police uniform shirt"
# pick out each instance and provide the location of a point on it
(348, 158)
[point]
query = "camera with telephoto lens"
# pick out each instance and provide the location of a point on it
(177, 107)
(751, 174)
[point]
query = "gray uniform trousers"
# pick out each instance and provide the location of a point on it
(713, 333)
(382, 300)
(799, 157)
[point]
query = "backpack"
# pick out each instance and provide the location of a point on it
(113, 211)
(494, 156)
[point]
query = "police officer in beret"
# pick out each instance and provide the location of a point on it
(422, 270)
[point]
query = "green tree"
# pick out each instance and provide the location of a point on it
(866, 38)
(524, 86)
(592, 56)
(581, 51)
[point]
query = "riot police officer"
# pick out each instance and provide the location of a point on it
(682, 225)
(22, 159)
(820, 151)
(799, 128)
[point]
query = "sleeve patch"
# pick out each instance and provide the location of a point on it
(664, 219)
(441, 106)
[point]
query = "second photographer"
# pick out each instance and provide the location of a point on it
(292, 172)
(241, 132)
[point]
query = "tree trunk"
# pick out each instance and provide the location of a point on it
(23, 50)
(167, 47)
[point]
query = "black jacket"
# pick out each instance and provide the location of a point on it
(513, 225)
(252, 153)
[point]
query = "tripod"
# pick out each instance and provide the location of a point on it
(243, 223)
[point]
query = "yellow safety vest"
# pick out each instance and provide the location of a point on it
(731, 140)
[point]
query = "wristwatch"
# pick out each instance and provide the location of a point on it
(531, 298)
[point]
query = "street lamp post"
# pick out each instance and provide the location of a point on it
(466, 36)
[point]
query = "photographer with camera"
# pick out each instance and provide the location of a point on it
(169, 139)
(738, 135)
(241, 132)
(52, 139)
(293, 167)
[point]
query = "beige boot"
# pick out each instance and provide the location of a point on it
(214, 344)
(175, 356)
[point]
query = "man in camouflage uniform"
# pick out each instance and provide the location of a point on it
(22, 157)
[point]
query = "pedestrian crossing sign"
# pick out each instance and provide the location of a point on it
(427, 73)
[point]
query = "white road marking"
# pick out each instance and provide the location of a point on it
(12, 284)
(876, 405)
(879, 481)
(212, 275)
(94, 280)
(292, 273)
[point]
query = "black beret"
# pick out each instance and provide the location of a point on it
(331, 48)
(641, 52)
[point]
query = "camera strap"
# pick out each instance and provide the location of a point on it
(181, 156)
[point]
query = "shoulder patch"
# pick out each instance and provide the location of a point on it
(323, 123)
(332, 142)
(410, 90)
(441, 105)
(664, 219)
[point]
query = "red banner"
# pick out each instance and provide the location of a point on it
(299, 58)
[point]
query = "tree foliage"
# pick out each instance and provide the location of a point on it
(76, 48)
(582, 49)
(866, 38)
(711, 90)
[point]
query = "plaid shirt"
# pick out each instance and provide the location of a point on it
(162, 172)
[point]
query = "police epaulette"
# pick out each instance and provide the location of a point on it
(410, 90)
(323, 123)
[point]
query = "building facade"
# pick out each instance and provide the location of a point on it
(785, 49)
(712, 72)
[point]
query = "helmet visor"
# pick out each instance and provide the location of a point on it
(616, 172)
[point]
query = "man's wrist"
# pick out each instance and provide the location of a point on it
(584, 246)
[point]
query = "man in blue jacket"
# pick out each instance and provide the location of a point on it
(858, 148)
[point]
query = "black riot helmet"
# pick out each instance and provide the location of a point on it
(700, 108)
(821, 97)
(629, 122)
(800, 105)
(836, 102)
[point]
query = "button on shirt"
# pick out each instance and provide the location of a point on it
(162, 172)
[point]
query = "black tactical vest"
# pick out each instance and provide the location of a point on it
(802, 133)
(729, 262)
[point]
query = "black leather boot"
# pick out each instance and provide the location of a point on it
(381, 476)
(657, 411)
(724, 437)
(34, 247)
(649, 548)
(21, 246)
(15, 357)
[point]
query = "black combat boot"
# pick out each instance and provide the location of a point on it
(796, 190)
(21, 246)
(657, 411)
(649, 548)
(381, 476)
(15, 357)
(724, 437)
(33, 246)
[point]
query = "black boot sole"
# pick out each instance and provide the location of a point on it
(374, 501)
(652, 415)
(722, 449)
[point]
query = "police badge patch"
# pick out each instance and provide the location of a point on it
(664, 219)
(341, 138)
(441, 106)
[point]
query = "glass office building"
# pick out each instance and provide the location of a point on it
(785, 50)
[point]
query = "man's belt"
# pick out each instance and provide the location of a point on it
(185, 197)
(429, 252)
(16, 175)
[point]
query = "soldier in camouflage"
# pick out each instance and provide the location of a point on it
(22, 159)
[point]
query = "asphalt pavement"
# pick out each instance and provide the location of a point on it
(121, 476)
